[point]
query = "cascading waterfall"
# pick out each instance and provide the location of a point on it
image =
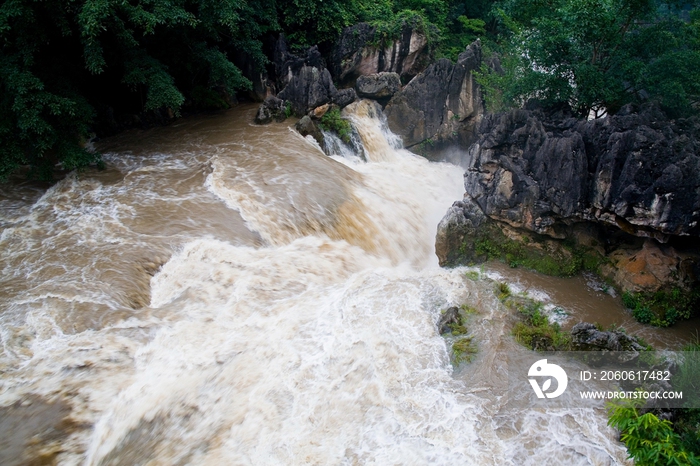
(245, 299)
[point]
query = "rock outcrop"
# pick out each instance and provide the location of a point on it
(442, 106)
(356, 54)
(308, 127)
(307, 87)
(587, 337)
(271, 109)
(626, 186)
(450, 320)
(637, 171)
(380, 86)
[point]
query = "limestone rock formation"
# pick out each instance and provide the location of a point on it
(442, 105)
(305, 82)
(271, 109)
(586, 337)
(625, 188)
(356, 55)
(379, 86)
(638, 171)
(308, 88)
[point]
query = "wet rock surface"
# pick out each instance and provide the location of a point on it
(449, 320)
(638, 171)
(356, 54)
(442, 105)
(380, 86)
(626, 187)
(587, 337)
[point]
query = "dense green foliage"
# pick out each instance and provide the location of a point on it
(649, 440)
(596, 55)
(67, 67)
(60, 58)
(663, 308)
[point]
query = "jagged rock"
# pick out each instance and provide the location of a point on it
(380, 86)
(263, 116)
(450, 319)
(355, 54)
(271, 109)
(442, 105)
(586, 337)
(344, 97)
(318, 112)
(309, 87)
(463, 219)
(632, 175)
(306, 126)
(637, 171)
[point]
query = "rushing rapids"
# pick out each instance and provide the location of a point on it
(227, 294)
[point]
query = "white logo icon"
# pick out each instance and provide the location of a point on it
(542, 369)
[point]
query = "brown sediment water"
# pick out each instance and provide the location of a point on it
(587, 299)
(225, 293)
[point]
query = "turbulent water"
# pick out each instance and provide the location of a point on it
(227, 294)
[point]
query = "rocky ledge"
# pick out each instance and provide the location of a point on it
(618, 195)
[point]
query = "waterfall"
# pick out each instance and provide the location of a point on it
(286, 309)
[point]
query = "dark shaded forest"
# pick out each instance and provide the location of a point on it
(73, 69)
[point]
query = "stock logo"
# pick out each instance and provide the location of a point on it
(551, 371)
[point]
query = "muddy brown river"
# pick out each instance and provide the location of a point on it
(225, 293)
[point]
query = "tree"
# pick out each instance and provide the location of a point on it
(595, 55)
(58, 58)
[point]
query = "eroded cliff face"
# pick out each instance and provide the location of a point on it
(441, 106)
(625, 188)
(638, 171)
(356, 54)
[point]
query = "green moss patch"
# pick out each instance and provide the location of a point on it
(560, 259)
(535, 331)
(663, 308)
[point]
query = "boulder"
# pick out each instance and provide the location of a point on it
(308, 127)
(308, 88)
(380, 86)
(357, 54)
(318, 112)
(586, 337)
(449, 320)
(344, 97)
(271, 109)
(645, 270)
(463, 220)
(442, 106)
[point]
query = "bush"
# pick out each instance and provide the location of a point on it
(663, 308)
(649, 440)
(332, 121)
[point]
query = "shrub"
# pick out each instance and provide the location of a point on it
(649, 440)
(332, 121)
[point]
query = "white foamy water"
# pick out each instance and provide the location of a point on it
(246, 299)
